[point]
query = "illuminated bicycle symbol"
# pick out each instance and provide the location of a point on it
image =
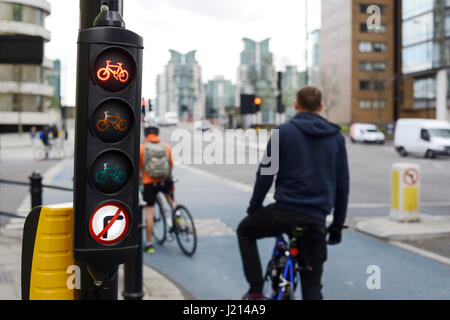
(116, 175)
(120, 74)
(113, 120)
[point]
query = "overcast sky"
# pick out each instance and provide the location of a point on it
(214, 28)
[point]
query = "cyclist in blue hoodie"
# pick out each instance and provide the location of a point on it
(312, 181)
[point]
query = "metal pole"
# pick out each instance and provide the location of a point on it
(36, 189)
(133, 268)
(89, 9)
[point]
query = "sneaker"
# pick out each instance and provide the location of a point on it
(149, 249)
(253, 296)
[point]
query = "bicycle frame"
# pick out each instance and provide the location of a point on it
(289, 269)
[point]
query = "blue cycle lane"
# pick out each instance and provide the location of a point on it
(215, 271)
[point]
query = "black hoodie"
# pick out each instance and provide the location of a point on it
(313, 175)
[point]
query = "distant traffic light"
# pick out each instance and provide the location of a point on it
(107, 145)
(247, 103)
(150, 107)
(257, 104)
(143, 107)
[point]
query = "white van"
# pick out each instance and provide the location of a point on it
(425, 137)
(169, 119)
(366, 132)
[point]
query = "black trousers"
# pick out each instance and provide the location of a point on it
(272, 221)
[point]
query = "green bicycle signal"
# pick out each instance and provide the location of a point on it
(116, 175)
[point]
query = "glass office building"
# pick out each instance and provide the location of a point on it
(425, 46)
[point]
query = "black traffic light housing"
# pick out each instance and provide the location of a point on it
(108, 110)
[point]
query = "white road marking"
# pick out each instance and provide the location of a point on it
(421, 252)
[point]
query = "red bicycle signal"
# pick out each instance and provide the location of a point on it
(120, 74)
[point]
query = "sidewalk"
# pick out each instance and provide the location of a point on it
(15, 148)
(156, 285)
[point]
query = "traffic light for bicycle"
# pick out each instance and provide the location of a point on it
(108, 111)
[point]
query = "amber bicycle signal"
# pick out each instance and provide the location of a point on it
(114, 120)
(120, 74)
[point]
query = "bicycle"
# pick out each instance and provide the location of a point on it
(182, 225)
(114, 120)
(117, 176)
(104, 74)
(283, 270)
(53, 151)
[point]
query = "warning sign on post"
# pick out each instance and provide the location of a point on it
(109, 223)
(411, 177)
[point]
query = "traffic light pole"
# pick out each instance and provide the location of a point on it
(89, 10)
(99, 265)
(90, 289)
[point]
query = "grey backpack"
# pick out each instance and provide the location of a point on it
(156, 161)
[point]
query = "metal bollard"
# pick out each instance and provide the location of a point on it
(133, 269)
(36, 189)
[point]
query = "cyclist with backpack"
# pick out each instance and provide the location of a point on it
(156, 175)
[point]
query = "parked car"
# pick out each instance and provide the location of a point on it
(424, 137)
(168, 119)
(367, 133)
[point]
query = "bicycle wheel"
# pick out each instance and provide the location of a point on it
(102, 125)
(269, 287)
(185, 230)
(57, 153)
(287, 292)
(159, 222)
(103, 74)
(39, 153)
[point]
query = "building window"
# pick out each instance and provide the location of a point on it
(365, 66)
(17, 12)
(379, 104)
(365, 104)
(379, 66)
(425, 88)
(16, 102)
(364, 85)
(364, 7)
(379, 47)
(364, 28)
(378, 85)
(39, 75)
(40, 103)
(40, 17)
(380, 29)
(17, 73)
(365, 46)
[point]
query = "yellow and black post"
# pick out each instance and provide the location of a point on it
(49, 271)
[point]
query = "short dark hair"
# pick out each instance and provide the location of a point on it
(309, 98)
(151, 130)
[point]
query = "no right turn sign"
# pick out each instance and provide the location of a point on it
(109, 223)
